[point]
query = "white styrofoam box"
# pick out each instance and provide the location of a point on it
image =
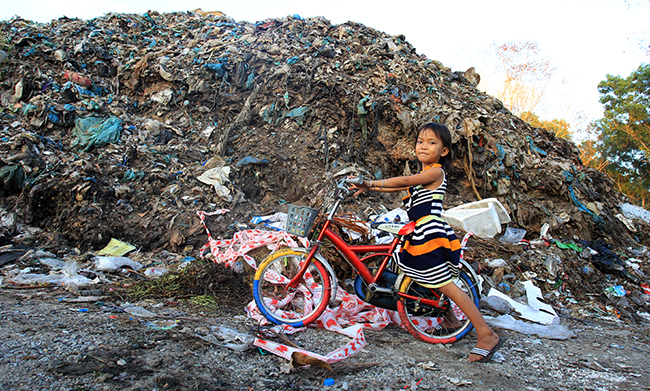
(484, 217)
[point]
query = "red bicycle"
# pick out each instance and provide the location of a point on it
(293, 286)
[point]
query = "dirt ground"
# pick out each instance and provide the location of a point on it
(49, 343)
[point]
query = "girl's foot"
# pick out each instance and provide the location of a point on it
(486, 348)
(450, 322)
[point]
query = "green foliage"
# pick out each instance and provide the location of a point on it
(624, 132)
(560, 127)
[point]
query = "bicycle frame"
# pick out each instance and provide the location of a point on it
(351, 254)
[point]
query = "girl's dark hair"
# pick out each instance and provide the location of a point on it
(445, 136)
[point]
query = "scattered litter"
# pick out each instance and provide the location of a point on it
(550, 331)
(164, 324)
(535, 311)
(116, 248)
(113, 264)
(139, 311)
(228, 338)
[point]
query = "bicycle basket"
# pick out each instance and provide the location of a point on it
(300, 220)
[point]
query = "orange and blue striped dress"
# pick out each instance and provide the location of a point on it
(431, 256)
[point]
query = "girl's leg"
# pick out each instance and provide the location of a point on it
(487, 339)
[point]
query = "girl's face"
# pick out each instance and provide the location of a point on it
(429, 148)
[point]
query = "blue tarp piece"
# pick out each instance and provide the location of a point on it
(95, 132)
(534, 148)
(79, 89)
(251, 160)
(250, 80)
(298, 114)
(218, 68)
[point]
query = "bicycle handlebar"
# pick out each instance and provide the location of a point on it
(342, 190)
(356, 180)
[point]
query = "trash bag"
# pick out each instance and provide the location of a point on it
(12, 178)
(95, 132)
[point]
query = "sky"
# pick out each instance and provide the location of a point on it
(583, 39)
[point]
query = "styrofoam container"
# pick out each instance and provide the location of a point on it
(484, 217)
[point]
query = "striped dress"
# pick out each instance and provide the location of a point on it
(431, 256)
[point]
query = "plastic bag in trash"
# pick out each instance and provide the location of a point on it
(513, 235)
(276, 221)
(155, 271)
(139, 311)
(229, 338)
(69, 277)
(553, 331)
(94, 132)
(112, 264)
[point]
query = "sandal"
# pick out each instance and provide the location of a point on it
(486, 354)
(446, 330)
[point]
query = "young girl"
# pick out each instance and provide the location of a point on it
(431, 256)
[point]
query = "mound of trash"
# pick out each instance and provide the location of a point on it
(125, 126)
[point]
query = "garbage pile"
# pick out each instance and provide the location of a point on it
(125, 126)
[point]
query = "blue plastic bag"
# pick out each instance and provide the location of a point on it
(95, 132)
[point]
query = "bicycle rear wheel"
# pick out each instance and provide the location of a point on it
(297, 306)
(426, 323)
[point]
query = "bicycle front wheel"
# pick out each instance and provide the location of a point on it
(428, 324)
(281, 304)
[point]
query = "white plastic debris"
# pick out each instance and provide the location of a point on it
(112, 264)
(535, 311)
(635, 212)
(218, 177)
(553, 331)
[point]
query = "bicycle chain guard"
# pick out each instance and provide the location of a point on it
(390, 303)
(377, 299)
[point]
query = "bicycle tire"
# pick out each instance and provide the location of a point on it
(424, 329)
(296, 307)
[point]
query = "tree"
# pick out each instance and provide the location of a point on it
(624, 131)
(526, 74)
(560, 127)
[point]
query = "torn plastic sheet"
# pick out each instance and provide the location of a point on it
(228, 338)
(354, 346)
(218, 177)
(535, 311)
(116, 248)
(69, 277)
(276, 221)
(553, 331)
(394, 216)
(251, 160)
(113, 264)
(272, 115)
(95, 132)
(227, 251)
(632, 211)
(349, 318)
(352, 312)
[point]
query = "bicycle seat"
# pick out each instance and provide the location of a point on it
(395, 228)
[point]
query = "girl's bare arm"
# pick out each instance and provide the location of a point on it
(425, 178)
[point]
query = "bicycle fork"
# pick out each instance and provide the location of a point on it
(310, 254)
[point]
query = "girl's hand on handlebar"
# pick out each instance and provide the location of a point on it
(359, 184)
